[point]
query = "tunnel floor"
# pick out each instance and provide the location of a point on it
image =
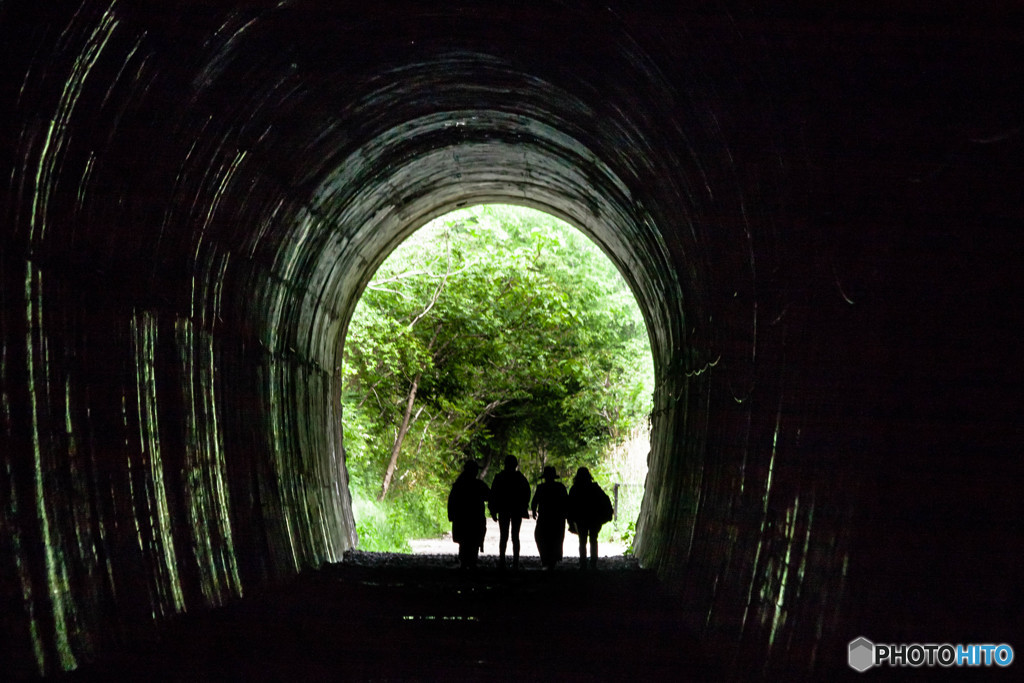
(380, 616)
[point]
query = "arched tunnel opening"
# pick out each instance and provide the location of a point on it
(195, 195)
(492, 331)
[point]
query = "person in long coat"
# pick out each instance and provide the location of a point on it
(467, 515)
(549, 507)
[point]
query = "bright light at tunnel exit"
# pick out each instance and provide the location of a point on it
(492, 330)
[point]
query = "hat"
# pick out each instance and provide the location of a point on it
(550, 473)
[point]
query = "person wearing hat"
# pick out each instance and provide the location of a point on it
(549, 508)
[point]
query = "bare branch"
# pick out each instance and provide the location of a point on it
(440, 287)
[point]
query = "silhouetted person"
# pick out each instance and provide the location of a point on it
(550, 503)
(589, 509)
(467, 515)
(510, 500)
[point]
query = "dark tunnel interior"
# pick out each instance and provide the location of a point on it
(818, 210)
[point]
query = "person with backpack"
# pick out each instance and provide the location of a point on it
(589, 509)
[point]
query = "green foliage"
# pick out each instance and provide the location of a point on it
(494, 330)
(387, 526)
(628, 535)
(625, 464)
(379, 527)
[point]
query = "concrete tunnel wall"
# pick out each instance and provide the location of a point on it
(195, 196)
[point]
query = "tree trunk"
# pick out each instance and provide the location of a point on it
(400, 437)
(502, 452)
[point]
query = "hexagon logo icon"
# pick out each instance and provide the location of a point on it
(862, 654)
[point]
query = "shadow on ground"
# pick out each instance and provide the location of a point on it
(384, 617)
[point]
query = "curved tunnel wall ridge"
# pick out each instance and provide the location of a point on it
(196, 194)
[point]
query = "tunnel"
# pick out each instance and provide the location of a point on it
(817, 209)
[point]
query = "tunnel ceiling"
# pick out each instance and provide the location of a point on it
(196, 194)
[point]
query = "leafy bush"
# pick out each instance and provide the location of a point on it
(387, 526)
(628, 536)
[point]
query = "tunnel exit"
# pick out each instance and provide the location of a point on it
(492, 331)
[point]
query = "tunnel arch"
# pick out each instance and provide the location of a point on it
(547, 171)
(466, 150)
(194, 193)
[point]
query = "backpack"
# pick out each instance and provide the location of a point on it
(603, 508)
